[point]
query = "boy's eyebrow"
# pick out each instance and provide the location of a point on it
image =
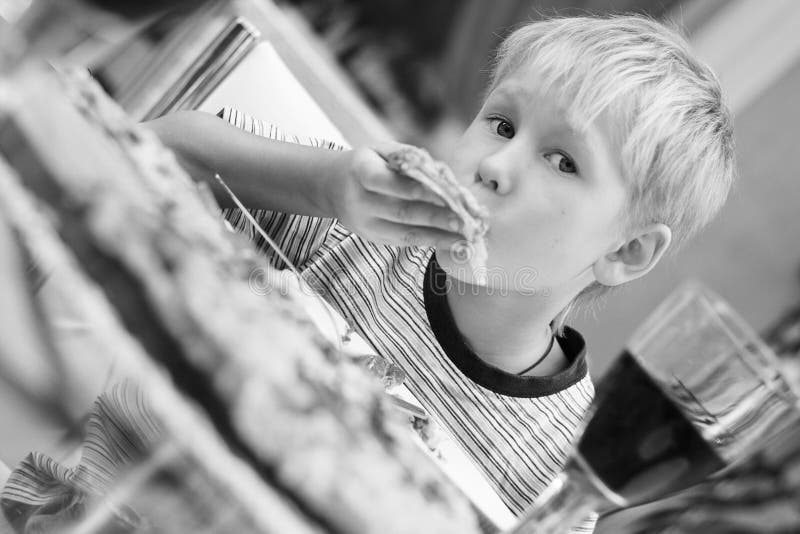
(574, 135)
(580, 142)
(506, 91)
(516, 92)
(573, 127)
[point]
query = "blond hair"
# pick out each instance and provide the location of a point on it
(673, 129)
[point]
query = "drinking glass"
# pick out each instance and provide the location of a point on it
(694, 392)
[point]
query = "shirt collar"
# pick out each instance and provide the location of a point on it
(484, 374)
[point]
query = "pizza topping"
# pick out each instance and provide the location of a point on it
(417, 163)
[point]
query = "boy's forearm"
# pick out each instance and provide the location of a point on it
(263, 173)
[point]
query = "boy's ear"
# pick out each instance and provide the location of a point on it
(634, 258)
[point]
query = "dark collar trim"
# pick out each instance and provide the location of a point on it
(485, 374)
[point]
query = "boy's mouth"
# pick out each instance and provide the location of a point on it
(484, 197)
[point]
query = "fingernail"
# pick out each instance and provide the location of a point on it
(454, 224)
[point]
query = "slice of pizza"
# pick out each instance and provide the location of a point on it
(417, 163)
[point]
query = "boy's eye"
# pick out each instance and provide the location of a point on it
(562, 162)
(503, 128)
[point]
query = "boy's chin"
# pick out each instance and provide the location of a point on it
(497, 280)
(459, 270)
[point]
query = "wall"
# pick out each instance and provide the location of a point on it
(751, 253)
(480, 25)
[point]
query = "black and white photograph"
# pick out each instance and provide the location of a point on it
(399, 267)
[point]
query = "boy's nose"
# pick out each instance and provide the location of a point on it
(493, 173)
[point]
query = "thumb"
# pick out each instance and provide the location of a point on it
(385, 148)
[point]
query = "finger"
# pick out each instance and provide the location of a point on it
(401, 187)
(414, 213)
(388, 147)
(394, 233)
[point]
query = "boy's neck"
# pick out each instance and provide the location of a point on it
(509, 331)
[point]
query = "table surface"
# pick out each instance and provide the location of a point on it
(316, 69)
(263, 86)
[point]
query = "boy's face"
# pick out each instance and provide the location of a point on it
(554, 192)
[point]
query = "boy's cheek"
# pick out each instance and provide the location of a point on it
(459, 165)
(464, 158)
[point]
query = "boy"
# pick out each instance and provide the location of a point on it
(601, 143)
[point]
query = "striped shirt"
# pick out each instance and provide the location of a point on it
(42, 495)
(518, 430)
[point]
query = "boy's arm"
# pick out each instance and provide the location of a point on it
(264, 173)
(354, 186)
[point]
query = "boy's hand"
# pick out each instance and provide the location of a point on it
(385, 207)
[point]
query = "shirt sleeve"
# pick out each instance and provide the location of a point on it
(297, 236)
(586, 526)
(42, 495)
